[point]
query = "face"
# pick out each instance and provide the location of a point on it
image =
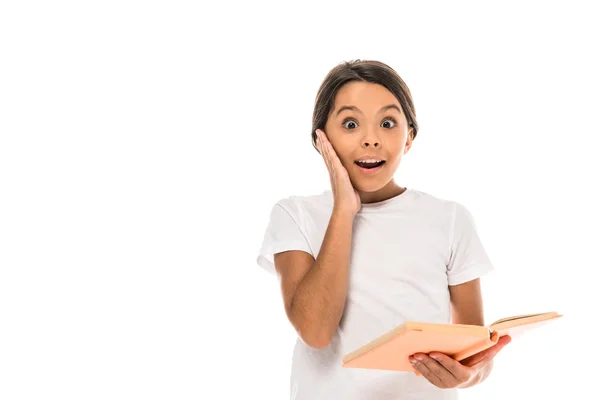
(369, 129)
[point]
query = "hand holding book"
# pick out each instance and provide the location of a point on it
(466, 344)
(445, 372)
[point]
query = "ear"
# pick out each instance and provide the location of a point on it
(408, 141)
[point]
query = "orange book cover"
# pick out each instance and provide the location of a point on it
(391, 350)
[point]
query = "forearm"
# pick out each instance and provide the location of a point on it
(321, 295)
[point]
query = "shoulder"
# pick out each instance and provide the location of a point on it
(300, 206)
(433, 204)
(453, 205)
(438, 209)
(305, 202)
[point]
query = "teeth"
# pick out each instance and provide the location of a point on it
(369, 161)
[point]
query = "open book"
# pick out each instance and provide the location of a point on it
(391, 350)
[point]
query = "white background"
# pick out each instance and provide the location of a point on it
(143, 144)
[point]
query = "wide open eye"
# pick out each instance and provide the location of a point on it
(348, 120)
(390, 119)
(393, 121)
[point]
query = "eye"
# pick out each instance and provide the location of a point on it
(346, 121)
(349, 120)
(390, 119)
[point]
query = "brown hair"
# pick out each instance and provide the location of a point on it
(365, 71)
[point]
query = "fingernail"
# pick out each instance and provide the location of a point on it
(412, 361)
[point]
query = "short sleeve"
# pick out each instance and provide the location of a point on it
(283, 233)
(468, 258)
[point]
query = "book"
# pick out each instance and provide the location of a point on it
(391, 350)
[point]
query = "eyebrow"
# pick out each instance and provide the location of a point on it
(353, 108)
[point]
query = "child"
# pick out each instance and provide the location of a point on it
(368, 255)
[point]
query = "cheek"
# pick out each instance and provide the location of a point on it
(348, 165)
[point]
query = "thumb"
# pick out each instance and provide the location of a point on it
(504, 340)
(488, 353)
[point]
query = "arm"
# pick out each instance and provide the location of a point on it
(314, 291)
(444, 371)
(467, 308)
(467, 304)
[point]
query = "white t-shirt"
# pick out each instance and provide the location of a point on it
(405, 252)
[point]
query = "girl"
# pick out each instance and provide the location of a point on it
(368, 255)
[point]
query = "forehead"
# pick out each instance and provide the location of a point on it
(367, 96)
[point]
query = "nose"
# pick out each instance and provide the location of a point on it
(370, 139)
(370, 142)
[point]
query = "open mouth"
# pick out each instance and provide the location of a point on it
(369, 165)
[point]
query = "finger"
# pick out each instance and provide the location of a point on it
(319, 142)
(323, 136)
(445, 376)
(428, 374)
(494, 350)
(334, 162)
(487, 354)
(325, 146)
(334, 159)
(461, 372)
(327, 158)
(323, 149)
(504, 340)
(329, 147)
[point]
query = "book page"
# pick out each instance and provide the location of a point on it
(523, 320)
(516, 317)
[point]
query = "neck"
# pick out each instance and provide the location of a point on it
(387, 192)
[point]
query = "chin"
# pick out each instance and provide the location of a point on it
(368, 187)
